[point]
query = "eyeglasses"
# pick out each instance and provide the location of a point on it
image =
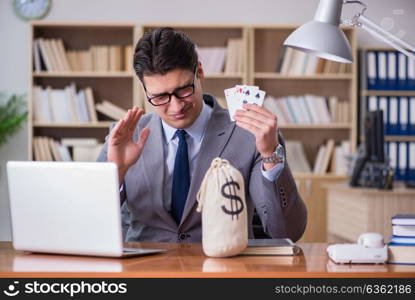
(180, 93)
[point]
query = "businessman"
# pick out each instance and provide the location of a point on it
(162, 157)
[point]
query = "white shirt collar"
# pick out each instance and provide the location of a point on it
(196, 130)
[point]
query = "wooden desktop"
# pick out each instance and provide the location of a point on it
(188, 260)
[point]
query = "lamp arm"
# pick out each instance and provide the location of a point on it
(388, 35)
(360, 20)
(388, 41)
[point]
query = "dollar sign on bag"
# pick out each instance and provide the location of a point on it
(237, 205)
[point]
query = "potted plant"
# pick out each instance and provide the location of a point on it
(13, 113)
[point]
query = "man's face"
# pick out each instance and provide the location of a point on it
(178, 113)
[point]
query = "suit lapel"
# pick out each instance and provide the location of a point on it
(218, 132)
(153, 160)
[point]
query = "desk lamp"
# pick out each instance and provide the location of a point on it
(322, 36)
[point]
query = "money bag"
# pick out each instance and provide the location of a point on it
(221, 199)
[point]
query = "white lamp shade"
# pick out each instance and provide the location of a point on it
(321, 39)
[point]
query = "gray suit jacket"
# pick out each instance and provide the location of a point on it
(282, 211)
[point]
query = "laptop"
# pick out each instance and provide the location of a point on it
(67, 208)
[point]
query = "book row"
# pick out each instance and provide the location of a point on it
(331, 158)
(50, 55)
(67, 149)
(398, 113)
(294, 62)
(71, 106)
(308, 109)
(229, 59)
(389, 70)
(402, 159)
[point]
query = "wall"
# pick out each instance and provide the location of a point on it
(15, 47)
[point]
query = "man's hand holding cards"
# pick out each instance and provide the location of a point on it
(239, 95)
(245, 107)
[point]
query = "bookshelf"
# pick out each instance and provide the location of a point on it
(387, 79)
(115, 85)
(261, 48)
(265, 51)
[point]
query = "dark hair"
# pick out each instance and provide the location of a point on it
(162, 50)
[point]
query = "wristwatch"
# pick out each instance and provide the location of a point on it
(277, 157)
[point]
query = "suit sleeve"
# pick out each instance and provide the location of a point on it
(278, 203)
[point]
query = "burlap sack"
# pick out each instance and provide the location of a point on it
(221, 199)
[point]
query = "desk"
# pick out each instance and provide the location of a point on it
(353, 211)
(188, 260)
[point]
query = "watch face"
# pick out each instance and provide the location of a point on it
(31, 9)
(280, 152)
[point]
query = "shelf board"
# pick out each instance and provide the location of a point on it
(400, 138)
(271, 75)
(123, 74)
(84, 74)
(387, 93)
(224, 75)
(317, 126)
(319, 176)
(47, 23)
(102, 124)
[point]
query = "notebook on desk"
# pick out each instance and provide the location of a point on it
(67, 208)
(271, 247)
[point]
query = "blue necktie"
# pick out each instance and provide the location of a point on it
(181, 178)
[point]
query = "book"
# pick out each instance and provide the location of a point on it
(296, 157)
(319, 159)
(46, 56)
(234, 56)
(86, 142)
(70, 93)
(36, 56)
(114, 56)
(327, 155)
(340, 158)
(63, 151)
(54, 150)
(402, 240)
(287, 60)
(128, 58)
(110, 110)
(52, 55)
(82, 106)
(90, 104)
(403, 219)
(403, 230)
(401, 254)
(53, 43)
(61, 108)
(47, 152)
(271, 247)
(86, 153)
(212, 58)
(37, 152)
(63, 56)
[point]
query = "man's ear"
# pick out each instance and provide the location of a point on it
(199, 72)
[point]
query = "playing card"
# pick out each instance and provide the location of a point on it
(258, 97)
(232, 100)
(239, 95)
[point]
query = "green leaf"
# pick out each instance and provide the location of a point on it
(13, 113)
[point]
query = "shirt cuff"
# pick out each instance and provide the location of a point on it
(274, 173)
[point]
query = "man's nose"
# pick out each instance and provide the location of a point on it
(176, 104)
